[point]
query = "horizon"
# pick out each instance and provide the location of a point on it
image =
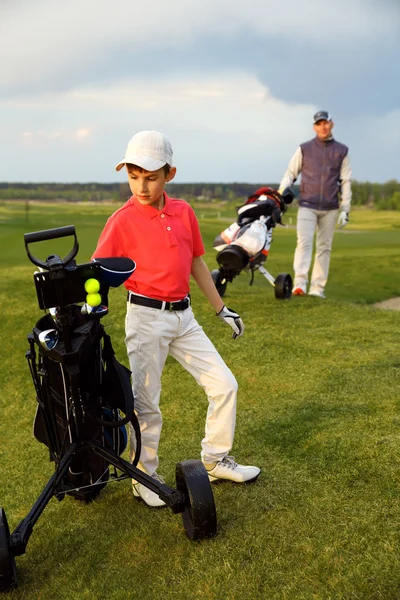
(199, 182)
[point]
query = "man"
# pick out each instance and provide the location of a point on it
(325, 186)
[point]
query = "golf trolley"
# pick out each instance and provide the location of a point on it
(245, 244)
(82, 392)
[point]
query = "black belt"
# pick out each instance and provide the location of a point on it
(152, 303)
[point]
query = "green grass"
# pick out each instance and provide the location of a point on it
(318, 411)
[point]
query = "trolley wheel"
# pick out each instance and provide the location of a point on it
(219, 282)
(200, 515)
(283, 286)
(8, 570)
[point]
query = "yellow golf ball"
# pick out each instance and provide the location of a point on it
(93, 299)
(92, 286)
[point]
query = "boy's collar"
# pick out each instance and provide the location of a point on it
(168, 205)
(151, 211)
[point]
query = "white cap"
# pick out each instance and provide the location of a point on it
(149, 150)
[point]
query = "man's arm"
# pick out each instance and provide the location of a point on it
(293, 170)
(345, 184)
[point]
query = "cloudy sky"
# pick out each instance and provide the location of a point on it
(232, 83)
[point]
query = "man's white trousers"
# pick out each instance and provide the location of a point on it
(309, 221)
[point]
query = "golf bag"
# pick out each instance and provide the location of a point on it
(104, 389)
(245, 244)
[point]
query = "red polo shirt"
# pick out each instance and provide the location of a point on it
(162, 243)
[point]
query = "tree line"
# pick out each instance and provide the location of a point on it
(381, 196)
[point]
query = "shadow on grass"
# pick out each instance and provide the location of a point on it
(306, 420)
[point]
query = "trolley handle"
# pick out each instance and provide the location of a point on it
(51, 234)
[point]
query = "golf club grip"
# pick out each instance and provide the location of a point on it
(49, 234)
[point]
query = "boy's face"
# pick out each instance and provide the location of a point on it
(148, 186)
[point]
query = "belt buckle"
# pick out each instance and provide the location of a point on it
(170, 307)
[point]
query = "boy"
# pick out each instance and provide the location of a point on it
(162, 236)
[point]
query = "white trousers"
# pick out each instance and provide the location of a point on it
(152, 334)
(309, 221)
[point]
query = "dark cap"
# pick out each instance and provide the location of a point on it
(322, 115)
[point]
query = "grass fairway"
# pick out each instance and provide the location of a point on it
(318, 411)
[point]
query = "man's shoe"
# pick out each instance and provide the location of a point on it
(228, 469)
(298, 291)
(316, 293)
(149, 497)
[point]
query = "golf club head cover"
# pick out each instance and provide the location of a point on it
(115, 270)
(343, 219)
(233, 320)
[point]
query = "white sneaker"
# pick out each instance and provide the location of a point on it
(149, 497)
(316, 293)
(227, 468)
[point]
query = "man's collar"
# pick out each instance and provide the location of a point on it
(330, 139)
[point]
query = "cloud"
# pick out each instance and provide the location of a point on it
(374, 147)
(82, 134)
(198, 114)
(60, 45)
(79, 134)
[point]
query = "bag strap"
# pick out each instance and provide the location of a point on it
(122, 373)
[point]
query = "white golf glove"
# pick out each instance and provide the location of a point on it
(232, 318)
(343, 219)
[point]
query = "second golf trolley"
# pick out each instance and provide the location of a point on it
(245, 244)
(82, 393)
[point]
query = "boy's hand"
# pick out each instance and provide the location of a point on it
(232, 318)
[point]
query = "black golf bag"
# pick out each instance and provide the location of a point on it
(84, 400)
(104, 389)
(245, 244)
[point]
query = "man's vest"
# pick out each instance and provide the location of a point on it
(320, 174)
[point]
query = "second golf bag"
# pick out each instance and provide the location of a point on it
(245, 244)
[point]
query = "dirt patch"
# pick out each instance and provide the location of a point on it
(391, 304)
